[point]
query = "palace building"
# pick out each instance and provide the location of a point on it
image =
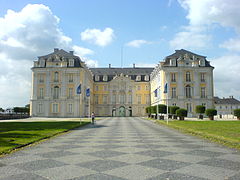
(189, 79)
(60, 81)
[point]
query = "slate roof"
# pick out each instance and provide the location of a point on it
(230, 100)
(182, 52)
(63, 55)
(111, 72)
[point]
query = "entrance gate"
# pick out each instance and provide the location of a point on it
(122, 111)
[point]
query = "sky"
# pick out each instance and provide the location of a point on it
(105, 32)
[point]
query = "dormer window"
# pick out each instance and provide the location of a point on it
(42, 63)
(105, 78)
(71, 62)
(201, 62)
(96, 78)
(146, 78)
(138, 78)
(172, 62)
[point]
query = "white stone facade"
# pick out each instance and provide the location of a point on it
(190, 81)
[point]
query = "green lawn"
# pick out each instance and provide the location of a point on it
(223, 132)
(14, 135)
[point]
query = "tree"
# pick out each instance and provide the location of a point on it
(237, 113)
(211, 113)
(1, 110)
(172, 110)
(200, 109)
(154, 110)
(181, 113)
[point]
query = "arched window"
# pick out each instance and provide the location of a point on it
(56, 92)
(188, 91)
(188, 76)
(56, 78)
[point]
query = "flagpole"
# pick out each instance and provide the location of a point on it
(167, 106)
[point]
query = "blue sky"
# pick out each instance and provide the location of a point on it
(97, 30)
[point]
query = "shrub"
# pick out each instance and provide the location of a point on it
(153, 109)
(237, 113)
(162, 109)
(211, 113)
(200, 109)
(173, 109)
(148, 111)
(181, 113)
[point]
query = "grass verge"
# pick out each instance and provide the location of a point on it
(223, 132)
(14, 135)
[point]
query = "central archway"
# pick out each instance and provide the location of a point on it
(122, 111)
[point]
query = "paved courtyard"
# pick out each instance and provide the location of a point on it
(122, 148)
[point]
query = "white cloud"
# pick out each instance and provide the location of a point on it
(190, 39)
(231, 44)
(227, 83)
(204, 12)
(137, 43)
(98, 37)
(91, 63)
(24, 35)
(81, 51)
(203, 15)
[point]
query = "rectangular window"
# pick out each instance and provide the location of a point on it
(41, 93)
(174, 92)
(130, 99)
(188, 76)
(174, 104)
(70, 93)
(105, 99)
(70, 108)
(114, 98)
(173, 77)
(40, 108)
(70, 78)
(55, 108)
(147, 88)
(138, 88)
(56, 77)
(202, 77)
(122, 99)
(203, 92)
(105, 88)
(96, 99)
(147, 98)
(41, 78)
(139, 99)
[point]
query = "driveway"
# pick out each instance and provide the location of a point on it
(123, 148)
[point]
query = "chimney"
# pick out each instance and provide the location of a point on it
(231, 97)
(109, 65)
(71, 52)
(56, 49)
(133, 65)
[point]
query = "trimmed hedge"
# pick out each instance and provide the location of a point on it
(181, 113)
(236, 112)
(211, 113)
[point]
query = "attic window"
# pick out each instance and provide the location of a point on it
(105, 78)
(96, 78)
(71, 62)
(138, 78)
(146, 78)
